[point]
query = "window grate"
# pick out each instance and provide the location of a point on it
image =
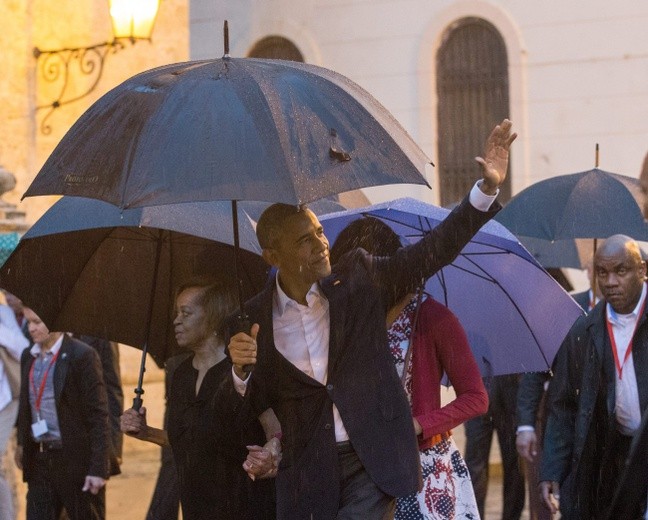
(473, 96)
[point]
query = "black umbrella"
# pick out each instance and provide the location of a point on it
(575, 252)
(90, 268)
(230, 129)
(590, 204)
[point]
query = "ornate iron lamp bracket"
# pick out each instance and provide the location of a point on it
(58, 65)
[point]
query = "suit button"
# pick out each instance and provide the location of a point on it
(327, 426)
(329, 387)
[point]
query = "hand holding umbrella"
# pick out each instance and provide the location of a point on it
(242, 349)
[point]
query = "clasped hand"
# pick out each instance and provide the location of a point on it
(263, 462)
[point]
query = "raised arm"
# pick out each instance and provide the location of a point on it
(440, 246)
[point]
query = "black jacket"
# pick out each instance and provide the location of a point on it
(82, 410)
(581, 403)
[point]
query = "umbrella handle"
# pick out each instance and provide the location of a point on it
(139, 391)
(138, 401)
(243, 325)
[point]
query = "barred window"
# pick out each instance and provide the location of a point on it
(473, 96)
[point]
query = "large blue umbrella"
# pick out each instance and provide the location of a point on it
(515, 314)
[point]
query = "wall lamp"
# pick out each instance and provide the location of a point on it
(132, 20)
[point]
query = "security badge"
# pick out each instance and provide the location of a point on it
(39, 428)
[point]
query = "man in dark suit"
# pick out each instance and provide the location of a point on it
(63, 433)
(322, 364)
(599, 389)
(530, 411)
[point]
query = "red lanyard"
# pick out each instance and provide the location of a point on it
(619, 366)
(39, 394)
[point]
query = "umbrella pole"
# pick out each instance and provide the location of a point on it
(237, 258)
(243, 320)
(593, 280)
(139, 391)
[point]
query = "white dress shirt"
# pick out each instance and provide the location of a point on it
(301, 332)
(627, 408)
(12, 338)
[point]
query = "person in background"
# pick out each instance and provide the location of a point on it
(208, 450)
(427, 341)
(12, 343)
(502, 395)
(586, 298)
(63, 434)
(17, 307)
(598, 393)
(531, 414)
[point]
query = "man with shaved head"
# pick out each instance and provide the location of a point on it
(599, 390)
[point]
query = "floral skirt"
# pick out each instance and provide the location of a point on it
(447, 492)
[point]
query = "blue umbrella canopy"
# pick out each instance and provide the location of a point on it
(514, 313)
(590, 204)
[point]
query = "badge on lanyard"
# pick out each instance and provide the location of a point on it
(40, 426)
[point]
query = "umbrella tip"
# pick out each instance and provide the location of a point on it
(226, 40)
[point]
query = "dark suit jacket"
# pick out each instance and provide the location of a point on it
(581, 409)
(82, 410)
(529, 397)
(362, 381)
(630, 498)
(109, 355)
(582, 299)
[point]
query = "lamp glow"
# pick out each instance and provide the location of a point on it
(133, 19)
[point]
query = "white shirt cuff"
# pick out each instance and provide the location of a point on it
(524, 428)
(479, 199)
(239, 384)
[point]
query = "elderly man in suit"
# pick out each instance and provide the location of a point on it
(63, 432)
(599, 389)
(318, 344)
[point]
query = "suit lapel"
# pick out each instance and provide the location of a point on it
(61, 367)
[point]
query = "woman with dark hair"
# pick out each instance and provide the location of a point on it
(426, 341)
(207, 449)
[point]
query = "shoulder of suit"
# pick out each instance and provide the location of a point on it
(75, 346)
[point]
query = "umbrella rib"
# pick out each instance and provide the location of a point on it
(517, 308)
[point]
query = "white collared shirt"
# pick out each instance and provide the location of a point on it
(36, 347)
(11, 338)
(627, 408)
(301, 335)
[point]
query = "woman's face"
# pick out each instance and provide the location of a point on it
(191, 329)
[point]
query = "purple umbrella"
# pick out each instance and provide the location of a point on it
(515, 314)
